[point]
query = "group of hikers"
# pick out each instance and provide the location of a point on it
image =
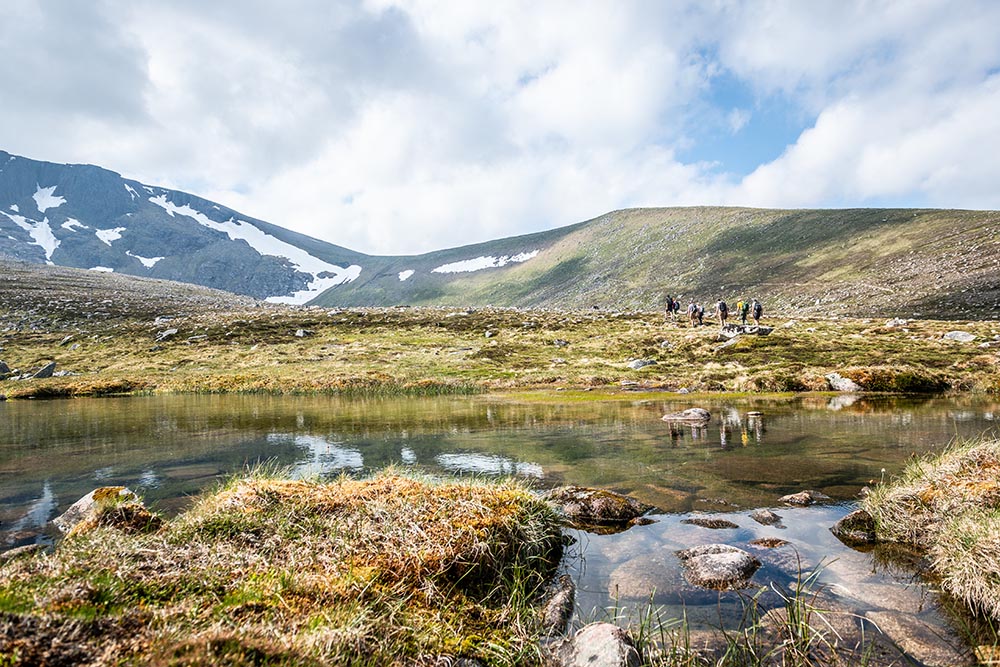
(696, 313)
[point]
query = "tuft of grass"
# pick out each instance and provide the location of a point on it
(390, 570)
(949, 505)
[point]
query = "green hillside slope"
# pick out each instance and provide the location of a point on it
(940, 263)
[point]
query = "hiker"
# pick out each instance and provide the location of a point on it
(722, 311)
(756, 311)
(701, 315)
(692, 312)
(677, 307)
(668, 310)
(743, 308)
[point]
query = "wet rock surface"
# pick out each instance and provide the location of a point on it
(718, 566)
(765, 517)
(932, 646)
(694, 415)
(585, 507)
(855, 529)
(715, 524)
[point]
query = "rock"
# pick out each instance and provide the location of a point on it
(855, 529)
(585, 507)
(628, 383)
(718, 566)
(683, 390)
(803, 498)
(45, 371)
(896, 322)
(960, 336)
(689, 415)
(559, 607)
(559, 342)
(765, 517)
(20, 552)
(165, 334)
(769, 542)
(839, 383)
(598, 645)
(87, 507)
(636, 364)
(656, 577)
(4, 368)
(490, 334)
(931, 646)
(303, 333)
(161, 320)
(65, 340)
(715, 524)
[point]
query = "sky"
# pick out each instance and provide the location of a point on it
(404, 126)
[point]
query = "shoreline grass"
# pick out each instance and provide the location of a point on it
(949, 505)
(389, 570)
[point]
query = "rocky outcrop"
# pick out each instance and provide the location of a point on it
(718, 566)
(855, 529)
(837, 382)
(113, 506)
(585, 508)
(691, 415)
(597, 645)
(636, 364)
(960, 336)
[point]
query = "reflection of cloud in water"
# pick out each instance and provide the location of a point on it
(489, 464)
(148, 478)
(103, 473)
(321, 456)
(39, 511)
(408, 456)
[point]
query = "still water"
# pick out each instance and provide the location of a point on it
(170, 448)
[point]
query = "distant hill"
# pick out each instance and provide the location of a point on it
(938, 263)
(882, 262)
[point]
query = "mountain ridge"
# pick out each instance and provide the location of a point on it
(893, 262)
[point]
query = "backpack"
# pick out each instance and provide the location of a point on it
(758, 310)
(723, 308)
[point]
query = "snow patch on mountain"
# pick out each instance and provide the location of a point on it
(101, 269)
(148, 262)
(132, 192)
(110, 235)
(45, 199)
(487, 262)
(403, 275)
(325, 275)
(40, 232)
(73, 224)
(14, 208)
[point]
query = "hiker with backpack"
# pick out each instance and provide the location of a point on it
(670, 309)
(692, 313)
(722, 311)
(743, 308)
(756, 311)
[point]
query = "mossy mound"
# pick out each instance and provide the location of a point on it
(391, 571)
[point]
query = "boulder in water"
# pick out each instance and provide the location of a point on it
(694, 415)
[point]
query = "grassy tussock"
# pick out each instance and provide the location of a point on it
(950, 505)
(386, 571)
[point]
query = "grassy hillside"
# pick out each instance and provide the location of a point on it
(885, 262)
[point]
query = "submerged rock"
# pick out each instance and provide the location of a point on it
(559, 607)
(598, 645)
(696, 415)
(932, 646)
(584, 507)
(715, 524)
(718, 566)
(765, 517)
(855, 529)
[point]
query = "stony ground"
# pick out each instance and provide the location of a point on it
(113, 334)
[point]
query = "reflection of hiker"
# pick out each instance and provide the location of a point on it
(756, 311)
(692, 312)
(722, 311)
(743, 308)
(668, 310)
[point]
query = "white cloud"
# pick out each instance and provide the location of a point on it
(400, 126)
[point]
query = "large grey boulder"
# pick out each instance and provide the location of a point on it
(718, 566)
(636, 364)
(838, 382)
(691, 415)
(960, 336)
(45, 371)
(598, 645)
